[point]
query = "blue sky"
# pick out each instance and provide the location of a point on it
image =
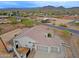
(31, 4)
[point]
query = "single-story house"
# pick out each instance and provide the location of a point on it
(37, 38)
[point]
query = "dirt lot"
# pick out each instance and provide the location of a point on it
(59, 21)
(9, 27)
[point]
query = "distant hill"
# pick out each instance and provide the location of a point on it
(44, 7)
(48, 10)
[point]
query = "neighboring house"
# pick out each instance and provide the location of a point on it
(36, 38)
(3, 19)
(46, 19)
(76, 21)
(2, 16)
(18, 18)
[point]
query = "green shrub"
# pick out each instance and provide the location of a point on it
(77, 23)
(13, 20)
(62, 25)
(66, 32)
(27, 22)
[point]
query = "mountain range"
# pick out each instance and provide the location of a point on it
(50, 10)
(44, 7)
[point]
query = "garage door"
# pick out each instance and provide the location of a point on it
(42, 48)
(55, 49)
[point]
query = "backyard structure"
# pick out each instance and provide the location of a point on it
(6, 38)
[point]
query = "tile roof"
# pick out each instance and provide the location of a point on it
(37, 33)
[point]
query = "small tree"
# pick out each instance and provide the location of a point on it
(77, 23)
(13, 20)
(62, 25)
(27, 22)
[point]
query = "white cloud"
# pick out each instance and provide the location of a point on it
(45, 3)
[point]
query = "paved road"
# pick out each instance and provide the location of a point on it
(63, 28)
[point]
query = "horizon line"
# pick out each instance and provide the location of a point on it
(40, 7)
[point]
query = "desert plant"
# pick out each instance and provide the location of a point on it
(77, 23)
(62, 25)
(13, 20)
(27, 22)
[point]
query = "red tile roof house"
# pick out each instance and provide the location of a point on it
(36, 38)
